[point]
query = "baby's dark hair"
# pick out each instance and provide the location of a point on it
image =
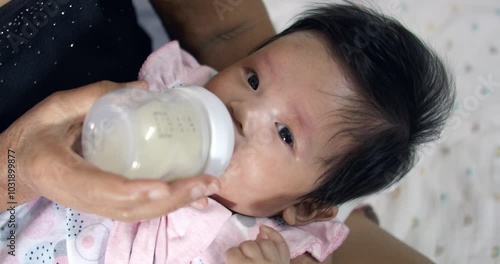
(404, 95)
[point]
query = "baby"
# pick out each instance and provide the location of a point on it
(331, 109)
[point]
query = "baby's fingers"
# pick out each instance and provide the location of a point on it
(278, 245)
(235, 255)
(269, 247)
(270, 251)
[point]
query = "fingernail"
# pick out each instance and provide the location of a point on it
(198, 192)
(201, 191)
(158, 194)
(212, 189)
(263, 233)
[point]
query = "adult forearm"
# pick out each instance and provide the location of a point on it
(368, 243)
(217, 32)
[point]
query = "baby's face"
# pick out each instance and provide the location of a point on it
(280, 99)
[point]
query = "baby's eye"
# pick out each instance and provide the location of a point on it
(253, 80)
(285, 134)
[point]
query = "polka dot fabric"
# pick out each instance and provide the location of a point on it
(47, 232)
(74, 223)
(40, 253)
(448, 207)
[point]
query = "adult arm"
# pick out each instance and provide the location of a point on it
(3, 2)
(370, 244)
(218, 33)
(44, 160)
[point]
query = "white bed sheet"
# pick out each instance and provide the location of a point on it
(448, 207)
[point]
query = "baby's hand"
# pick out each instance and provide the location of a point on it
(269, 247)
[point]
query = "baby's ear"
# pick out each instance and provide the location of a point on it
(306, 212)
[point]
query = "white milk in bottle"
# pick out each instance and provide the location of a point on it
(139, 134)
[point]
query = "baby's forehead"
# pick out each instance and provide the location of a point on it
(301, 40)
(301, 56)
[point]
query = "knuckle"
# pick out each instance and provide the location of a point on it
(248, 246)
(57, 104)
(232, 250)
(57, 94)
(103, 87)
(246, 243)
(266, 243)
(231, 254)
(55, 98)
(105, 83)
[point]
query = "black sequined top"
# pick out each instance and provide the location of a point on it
(52, 45)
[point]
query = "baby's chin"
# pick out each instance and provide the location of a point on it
(241, 209)
(225, 202)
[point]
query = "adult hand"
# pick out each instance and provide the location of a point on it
(270, 247)
(44, 142)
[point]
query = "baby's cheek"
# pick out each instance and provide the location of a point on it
(243, 156)
(230, 174)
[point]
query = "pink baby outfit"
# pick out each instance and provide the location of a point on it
(203, 236)
(46, 232)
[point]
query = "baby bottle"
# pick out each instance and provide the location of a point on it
(140, 134)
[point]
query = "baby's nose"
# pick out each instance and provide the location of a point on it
(236, 112)
(248, 118)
